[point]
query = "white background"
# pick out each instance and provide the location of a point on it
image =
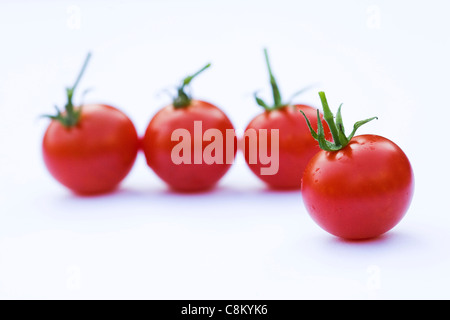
(240, 241)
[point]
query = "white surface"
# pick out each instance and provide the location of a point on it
(384, 58)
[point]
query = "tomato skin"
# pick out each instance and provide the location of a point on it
(360, 191)
(296, 145)
(94, 156)
(157, 145)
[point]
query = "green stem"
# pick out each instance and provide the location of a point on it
(71, 116)
(340, 140)
(80, 75)
(329, 118)
(277, 102)
(71, 91)
(183, 99)
(188, 79)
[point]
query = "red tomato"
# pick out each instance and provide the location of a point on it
(91, 149)
(95, 155)
(361, 190)
(295, 146)
(195, 119)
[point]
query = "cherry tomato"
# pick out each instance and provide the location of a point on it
(207, 140)
(359, 189)
(90, 149)
(295, 145)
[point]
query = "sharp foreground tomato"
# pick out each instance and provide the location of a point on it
(357, 187)
(295, 146)
(190, 144)
(90, 149)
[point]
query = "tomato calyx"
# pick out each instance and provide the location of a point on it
(336, 125)
(278, 102)
(70, 116)
(183, 99)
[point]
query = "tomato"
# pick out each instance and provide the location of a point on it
(190, 144)
(90, 149)
(358, 190)
(295, 145)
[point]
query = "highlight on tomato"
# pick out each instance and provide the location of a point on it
(89, 148)
(294, 146)
(356, 187)
(190, 144)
